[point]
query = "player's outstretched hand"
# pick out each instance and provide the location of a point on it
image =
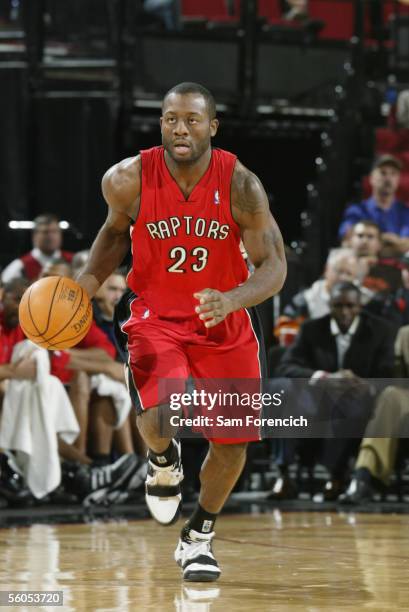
(214, 306)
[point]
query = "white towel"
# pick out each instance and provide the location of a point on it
(34, 412)
(107, 387)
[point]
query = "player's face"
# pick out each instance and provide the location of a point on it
(345, 306)
(186, 127)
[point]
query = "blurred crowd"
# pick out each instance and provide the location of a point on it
(68, 430)
(90, 428)
(347, 337)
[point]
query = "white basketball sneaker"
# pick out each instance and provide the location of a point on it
(195, 556)
(162, 490)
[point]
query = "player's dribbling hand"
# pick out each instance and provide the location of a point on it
(214, 306)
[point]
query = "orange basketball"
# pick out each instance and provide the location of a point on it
(55, 312)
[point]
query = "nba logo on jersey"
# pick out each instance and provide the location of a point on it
(216, 197)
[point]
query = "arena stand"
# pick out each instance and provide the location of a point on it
(332, 119)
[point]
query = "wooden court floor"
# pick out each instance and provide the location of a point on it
(278, 561)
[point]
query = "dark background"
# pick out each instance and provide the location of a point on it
(81, 85)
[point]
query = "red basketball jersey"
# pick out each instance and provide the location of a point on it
(180, 245)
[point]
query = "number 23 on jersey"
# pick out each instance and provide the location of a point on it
(196, 259)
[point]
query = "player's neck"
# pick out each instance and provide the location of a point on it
(187, 175)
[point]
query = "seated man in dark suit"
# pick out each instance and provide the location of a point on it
(335, 353)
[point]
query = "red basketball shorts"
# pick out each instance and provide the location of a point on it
(161, 350)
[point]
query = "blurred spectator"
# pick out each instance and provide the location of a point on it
(377, 455)
(378, 450)
(402, 109)
(106, 299)
(23, 427)
(47, 242)
(78, 262)
(381, 275)
(167, 12)
(391, 215)
(342, 265)
(36, 416)
(393, 306)
(11, 483)
(365, 241)
(97, 351)
(400, 304)
(96, 383)
(336, 352)
(19, 361)
(295, 10)
(59, 267)
(10, 331)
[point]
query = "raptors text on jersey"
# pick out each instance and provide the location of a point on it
(181, 246)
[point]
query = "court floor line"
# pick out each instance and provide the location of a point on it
(305, 548)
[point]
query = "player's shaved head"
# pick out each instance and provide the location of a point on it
(195, 89)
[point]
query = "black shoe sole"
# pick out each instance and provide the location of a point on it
(201, 577)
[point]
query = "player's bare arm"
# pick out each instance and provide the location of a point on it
(264, 245)
(121, 190)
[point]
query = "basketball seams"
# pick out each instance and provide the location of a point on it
(30, 335)
(78, 337)
(38, 342)
(49, 312)
(54, 346)
(40, 337)
(51, 306)
(29, 312)
(69, 322)
(31, 316)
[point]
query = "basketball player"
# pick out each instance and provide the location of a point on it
(185, 206)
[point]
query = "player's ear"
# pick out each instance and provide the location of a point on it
(214, 124)
(160, 122)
